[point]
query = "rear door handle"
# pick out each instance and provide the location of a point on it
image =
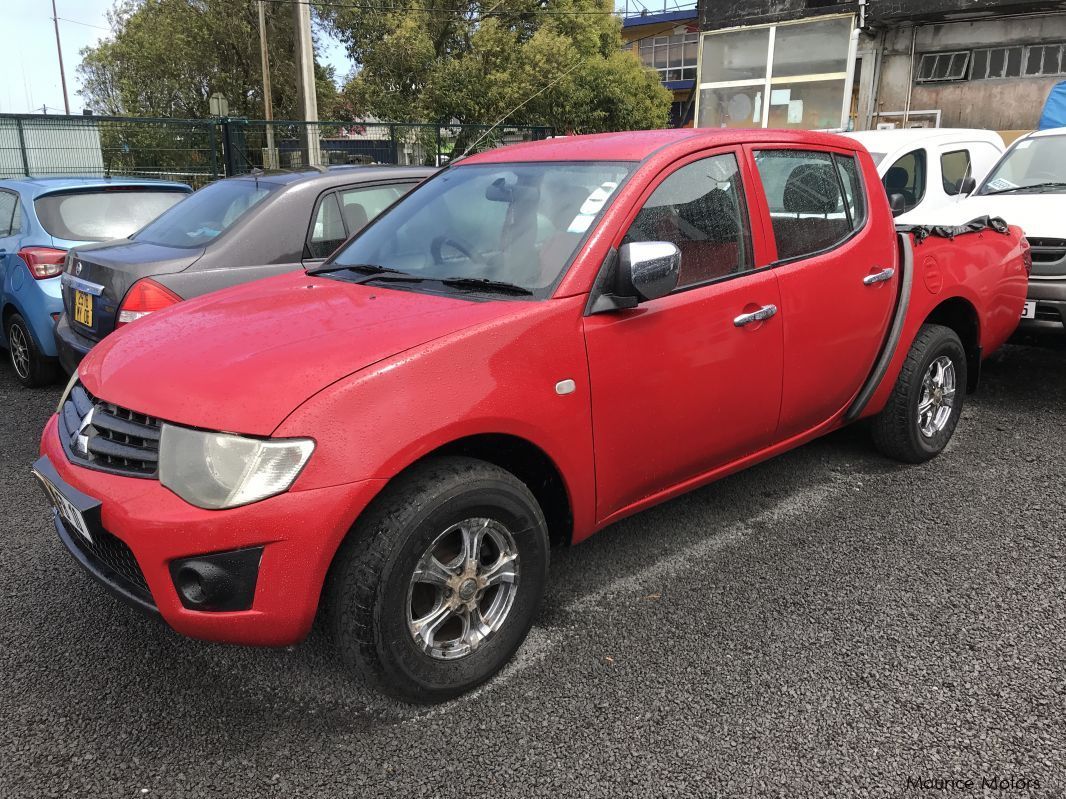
(760, 315)
(879, 277)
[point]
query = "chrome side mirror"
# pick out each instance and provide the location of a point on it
(649, 269)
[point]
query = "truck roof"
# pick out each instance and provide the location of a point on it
(887, 141)
(637, 145)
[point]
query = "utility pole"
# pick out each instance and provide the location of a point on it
(268, 105)
(59, 52)
(305, 78)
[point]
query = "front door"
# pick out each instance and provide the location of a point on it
(679, 384)
(838, 274)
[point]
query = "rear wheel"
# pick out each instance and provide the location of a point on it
(32, 368)
(926, 403)
(438, 583)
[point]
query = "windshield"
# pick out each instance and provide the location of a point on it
(102, 214)
(207, 213)
(513, 223)
(1029, 165)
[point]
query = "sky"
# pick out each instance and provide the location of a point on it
(29, 67)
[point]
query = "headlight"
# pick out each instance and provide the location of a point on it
(217, 470)
(66, 392)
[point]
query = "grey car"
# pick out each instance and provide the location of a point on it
(232, 231)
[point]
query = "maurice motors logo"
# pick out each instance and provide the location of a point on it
(960, 784)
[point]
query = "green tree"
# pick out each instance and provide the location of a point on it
(167, 57)
(540, 63)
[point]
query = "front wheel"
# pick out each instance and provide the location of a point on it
(926, 403)
(437, 585)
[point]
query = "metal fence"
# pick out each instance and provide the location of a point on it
(197, 151)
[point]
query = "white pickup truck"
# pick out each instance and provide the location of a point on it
(1027, 188)
(928, 169)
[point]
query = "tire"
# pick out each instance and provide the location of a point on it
(372, 601)
(904, 432)
(32, 368)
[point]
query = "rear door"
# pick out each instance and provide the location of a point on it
(678, 387)
(836, 267)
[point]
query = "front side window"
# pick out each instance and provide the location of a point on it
(360, 205)
(1030, 166)
(102, 214)
(208, 213)
(513, 223)
(814, 199)
(955, 167)
(700, 208)
(906, 177)
(327, 232)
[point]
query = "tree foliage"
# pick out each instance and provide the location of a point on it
(539, 63)
(167, 57)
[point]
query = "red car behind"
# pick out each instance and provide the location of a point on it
(535, 343)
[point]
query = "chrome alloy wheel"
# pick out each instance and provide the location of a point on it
(20, 350)
(938, 396)
(462, 588)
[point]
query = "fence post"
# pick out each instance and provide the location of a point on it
(436, 161)
(213, 126)
(22, 147)
(392, 142)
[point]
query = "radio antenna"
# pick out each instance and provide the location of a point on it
(500, 121)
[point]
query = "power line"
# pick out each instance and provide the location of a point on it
(378, 7)
(86, 24)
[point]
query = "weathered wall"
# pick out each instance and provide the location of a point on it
(1003, 104)
(717, 14)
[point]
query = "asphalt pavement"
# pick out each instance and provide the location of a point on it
(826, 624)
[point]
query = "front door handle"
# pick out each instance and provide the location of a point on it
(760, 315)
(879, 277)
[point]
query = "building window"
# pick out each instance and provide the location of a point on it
(673, 56)
(934, 67)
(791, 75)
(997, 62)
(1045, 59)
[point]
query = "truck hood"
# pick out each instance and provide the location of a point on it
(240, 360)
(1039, 215)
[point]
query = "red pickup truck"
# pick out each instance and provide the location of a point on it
(533, 344)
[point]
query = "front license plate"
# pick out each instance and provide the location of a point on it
(1029, 310)
(71, 515)
(83, 308)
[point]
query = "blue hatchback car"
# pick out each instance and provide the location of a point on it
(42, 218)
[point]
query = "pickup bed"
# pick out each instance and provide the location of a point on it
(538, 341)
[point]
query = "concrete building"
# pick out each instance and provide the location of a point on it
(863, 64)
(667, 40)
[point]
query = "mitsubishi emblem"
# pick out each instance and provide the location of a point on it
(77, 267)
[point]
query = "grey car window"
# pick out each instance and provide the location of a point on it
(327, 230)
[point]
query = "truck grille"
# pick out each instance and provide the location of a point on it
(1047, 251)
(104, 436)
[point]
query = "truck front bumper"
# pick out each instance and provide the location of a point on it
(141, 537)
(1050, 299)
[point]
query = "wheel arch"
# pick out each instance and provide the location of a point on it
(960, 315)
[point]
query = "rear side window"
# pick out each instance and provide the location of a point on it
(100, 215)
(815, 199)
(8, 204)
(955, 167)
(906, 177)
(360, 205)
(208, 213)
(700, 208)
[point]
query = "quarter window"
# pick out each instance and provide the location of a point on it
(700, 208)
(814, 198)
(955, 167)
(8, 203)
(327, 232)
(906, 177)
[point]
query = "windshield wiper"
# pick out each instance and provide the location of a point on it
(369, 272)
(1051, 184)
(486, 284)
